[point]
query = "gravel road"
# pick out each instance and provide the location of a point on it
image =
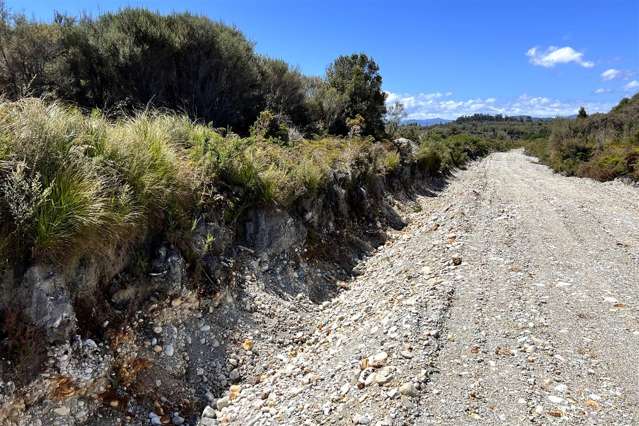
(511, 298)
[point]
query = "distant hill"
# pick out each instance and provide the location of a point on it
(428, 121)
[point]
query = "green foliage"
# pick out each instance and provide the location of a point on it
(132, 59)
(449, 146)
(394, 116)
(284, 91)
(499, 130)
(270, 126)
(355, 126)
(72, 183)
(582, 113)
(60, 194)
(357, 88)
(392, 161)
(135, 57)
(478, 118)
(429, 159)
(600, 146)
(28, 54)
(326, 106)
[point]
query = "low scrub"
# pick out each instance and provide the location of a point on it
(601, 146)
(441, 152)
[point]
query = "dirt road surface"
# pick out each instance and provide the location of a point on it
(511, 298)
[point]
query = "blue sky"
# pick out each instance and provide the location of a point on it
(440, 58)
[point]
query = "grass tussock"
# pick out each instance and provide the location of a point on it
(72, 183)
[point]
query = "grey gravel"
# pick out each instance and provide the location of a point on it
(511, 298)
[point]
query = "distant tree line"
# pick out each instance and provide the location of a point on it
(136, 58)
(498, 118)
(505, 130)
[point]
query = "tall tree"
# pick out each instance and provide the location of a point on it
(357, 78)
(283, 91)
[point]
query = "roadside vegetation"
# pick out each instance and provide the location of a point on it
(137, 59)
(599, 146)
(447, 146)
(71, 182)
(99, 149)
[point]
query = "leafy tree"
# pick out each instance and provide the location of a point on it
(283, 91)
(357, 79)
(326, 106)
(582, 113)
(28, 52)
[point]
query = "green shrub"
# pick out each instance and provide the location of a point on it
(611, 162)
(127, 60)
(429, 160)
(270, 126)
(600, 146)
(392, 161)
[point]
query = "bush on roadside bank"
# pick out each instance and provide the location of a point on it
(599, 146)
(73, 182)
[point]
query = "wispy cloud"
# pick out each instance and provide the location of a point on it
(634, 84)
(610, 74)
(557, 55)
(441, 105)
(601, 90)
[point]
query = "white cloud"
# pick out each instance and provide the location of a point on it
(419, 100)
(602, 90)
(634, 84)
(610, 74)
(557, 55)
(431, 105)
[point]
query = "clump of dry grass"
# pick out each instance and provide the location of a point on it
(71, 182)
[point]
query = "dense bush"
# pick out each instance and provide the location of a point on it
(270, 126)
(132, 59)
(499, 130)
(28, 53)
(71, 181)
(600, 146)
